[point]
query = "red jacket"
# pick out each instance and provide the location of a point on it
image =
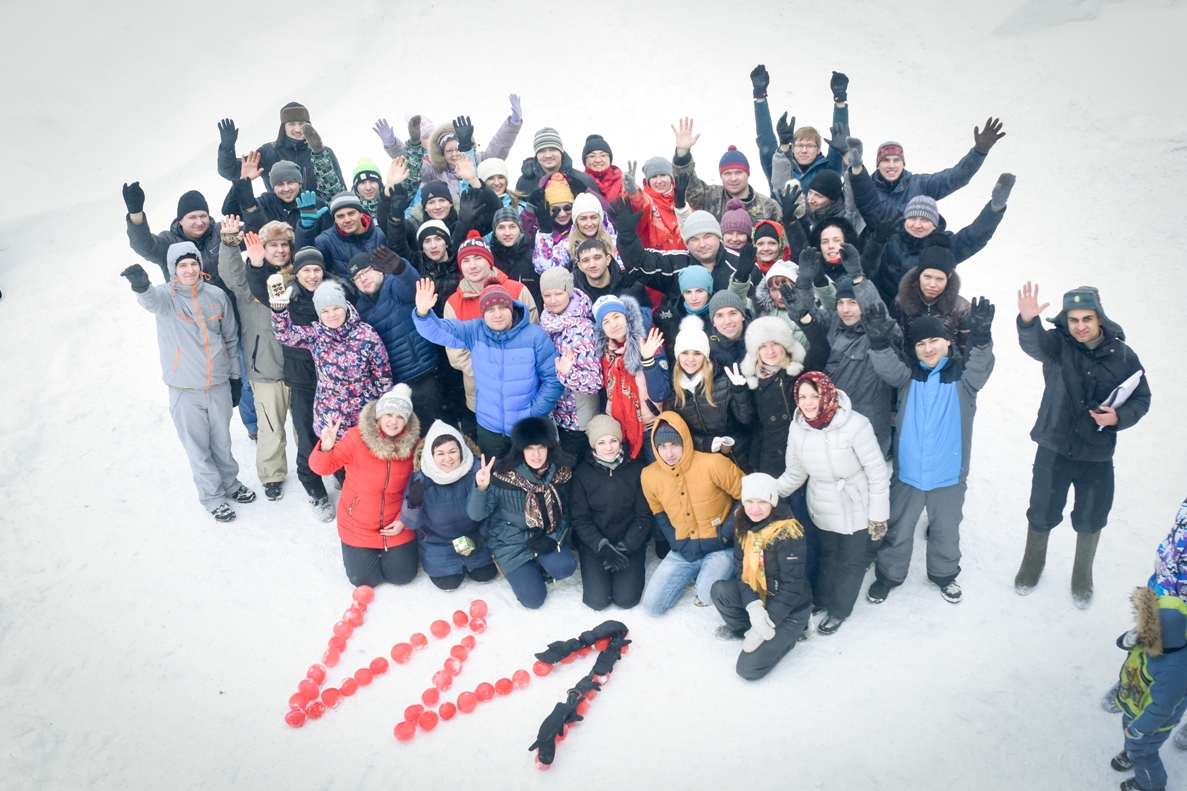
(377, 470)
(658, 227)
(465, 303)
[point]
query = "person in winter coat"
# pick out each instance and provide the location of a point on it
(634, 369)
(527, 501)
(610, 518)
(937, 400)
(193, 224)
(568, 320)
(932, 289)
(377, 456)
(768, 601)
(290, 145)
(599, 275)
(790, 149)
(695, 285)
(354, 232)
(549, 158)
(599, 166)
(692, 496)
(1084, 359)
(834, 449)
(768, 296)
(367, 184)
(1152, 692)
(716, 405)
(737, 226)
(431, 253)
(450, 141)
(729, 316)
(495, 175)
(514, 361)
(658, 229)
(1170, 572)
(286, 202)
(734, 170)
(452, 545)
(351, 360)
(558, 247)
(801, 158)
(512, 251)
(263, 353)
(199, 345)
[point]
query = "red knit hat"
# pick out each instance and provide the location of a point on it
(474, 244)
(733, 159)
(494, 294)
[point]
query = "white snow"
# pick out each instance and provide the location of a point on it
(142, 645)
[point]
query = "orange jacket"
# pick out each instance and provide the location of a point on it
(658, 228)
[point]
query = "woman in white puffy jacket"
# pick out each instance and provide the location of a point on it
(836, 450)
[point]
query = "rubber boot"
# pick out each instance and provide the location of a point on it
(1082, 568)
(1033, 560)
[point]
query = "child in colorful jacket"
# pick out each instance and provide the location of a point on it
(568, 320)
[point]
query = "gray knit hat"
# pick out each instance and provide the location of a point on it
(547, 138)
(345, 200)
(556, 277)
(397, 401)
(700, 222)
(657, 166)
(725, 299)
(506, 214)
(922, 206)
(308, 256)
(602, 425)
(328, 294)
(285, 171)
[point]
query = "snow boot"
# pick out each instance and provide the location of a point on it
(274, 491)
(1132, 785)
(1034, 557)
(951, 592)
(725, 633)
(1082, 568)
(878, 591)
(323, 509)
(1180, 740)
(830, 625)
(1108, 701)
(224, 513)
(1121, 762)
(243, 495)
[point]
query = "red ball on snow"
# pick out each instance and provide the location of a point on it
(453, 666)
(362, 605)
(601, 644)
(343, 629)
(315, 709)
(308, 689)
(541, 668)
(363, 676)
(583, 707)
(591, 694)
(295, 717)
(378, 666)
(405, 731)
(337, 643)
(330, 657)
(418, 641)
(478, 609)
(349, 687)
(460, 618)
(430, 696)
(331, 696)
(468, 642)
(484, 691)
(569, 659)
(412, 712)
(316, 674)
(625, 648)
(427, 721)
(442, 680)
(447, 710)
(478, 625)
(298, 702)
(467, 702)
(459, 653)
(401, 652)
(584, 651)
(543, 767)
(439, 628)
(503, 686)
(353, 616)
(363, 593)
(521, 678)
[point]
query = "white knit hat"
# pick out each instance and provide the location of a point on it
(586, 202)
(493, 167)
(760, 486)
(397, 401)
(691, 336)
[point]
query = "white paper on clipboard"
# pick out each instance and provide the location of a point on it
(1123, 391)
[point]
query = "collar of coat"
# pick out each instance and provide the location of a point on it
(951, 371)
(402, 447)
(910, 298)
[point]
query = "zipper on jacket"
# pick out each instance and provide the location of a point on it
(383, 497)
(205, 334)
(255, 350)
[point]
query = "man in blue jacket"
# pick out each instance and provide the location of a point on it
(514, 360)
(353, 232)
(937, 398)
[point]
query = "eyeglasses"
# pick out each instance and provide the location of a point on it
(560, 208)
(805, 146)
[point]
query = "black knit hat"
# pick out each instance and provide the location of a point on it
(766, 230)
(928, 327)
(358, 264)
(845, 290)
(828, 184)
(937, 257)
(596, 143)
(435, 189)
(191, 201)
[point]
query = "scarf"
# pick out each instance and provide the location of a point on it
(691, 383)
(542, 506)
(701, 311)
(428, 465)
(828, 398)
(364, 220)
(767, 371)
(611, 464)
(754, 561)
(622, 395)
(609, 182)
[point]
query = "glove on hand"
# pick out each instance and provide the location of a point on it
(236, 392)
(840, 138)
(387, 261)
(312, 138)
(760, 621)
(278, 294)
(759, 80)
(840, 87)
(542, 545)
(465, 132)
(137, 277)
(679, 199)
(878, 326)
(785, 129)
(851, 261)
(612, 559)
(854, 152)
(227, 133)
(415, 497)
(979, 322)
(878, 530)
(1001, 191)
(134, 197)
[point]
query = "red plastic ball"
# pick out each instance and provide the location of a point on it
(362, 605)
(349, 687)
(591, 694)
(478, 609)
(468, 642)
(569, 659)
(363, 593)
(521, 678)
(298, 702)
(401, 653)
(583, 707)
(541, 668)
(337, 643)
(478, 625)
(405, 731)
(364, 676)
(418, 641)
(467, 702)
(442, 680)
(453, 666)
(315, 709)
(584, 651)
(459, 652)
(412, 712)
(378, 666)
(460, 618)
(316, 674)
(427, 721)
(503, 686)
(308, 689)
(447, 710)
(330, 657)
(353, 616)
(484, 691)
(295, 717)
(601, 644)
(543, 767)
(343, 629)
(439, 628)
(331, 696)
(561, 736)
(430, 696)
(625, 648)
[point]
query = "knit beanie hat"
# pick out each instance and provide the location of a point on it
(547, 138)
(308, 256)
(397, 401)
(294, 111)
(766, 230)
(828, 184)
(596, 143)
(657, 166)
(733, 159)
(474, 244)
(426, 127)
(937, 257)
(700, 222)
(736, 218)
(928, 327)
(760, 486)
(557, 190)
(328, 294)
(665, 434)
(726, 299)
(889, 149)
(556, 277)
(493, 167)
(284, 171)
(494, 294)
(602, 425)
(845, 289)
(695, 276)
(692, 337)
(506, 214)
(366, 170)
(345, 200)
(787, 269)
(922, 206)
(605, 306)
(585, 203)
(358, 263)
(435, 189)
(191, 201)
(433, 228)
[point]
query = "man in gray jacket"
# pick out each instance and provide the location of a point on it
(199, 345)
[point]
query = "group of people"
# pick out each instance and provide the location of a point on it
(523, 373)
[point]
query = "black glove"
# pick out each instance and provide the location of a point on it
(851, 261)
(245, 196)
(746, 257)
(400, 201)
(542, 545)
(414, 129)
(855, 149)
(790, 201)
(386, 261)
(878, 327)
(236, 392)
(227, 133)
(465, 132)
(979, 322)
(607, 658)
(134, 197)
(840, 85)
(586, 684)
(552, 727)
(137, 277)
(679, 199)
(887, 225)
(985, 140)
(799, 302)
(786, 130)
(612, 559)
(840, 137)
(811, 269)
(544, 215)
(559, 649)
(625, 218)
(759, 79)
(469, 205)
(415, 497)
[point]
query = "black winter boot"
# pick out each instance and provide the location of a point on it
(1121, 762)
(1033, 559)
(1082, 568)
(1132, 785)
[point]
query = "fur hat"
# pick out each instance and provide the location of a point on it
(284, 171)
(294, 111)
(547, 138)
(922, 206)
(771, 328)
(760, 486)
(345, 200)
(657, 166)
(1087, 298)
(329, 294)
(733, 159)
(700, 222)
(493, 167)
(736, 218)
(691, 337)
(585, 203)
(435, 189)
(277, 231)
(433, 228)
(531, 431)
(828, 184)
(191, 201)
(593, 143)
(602, 425)
(308, 256)
(556, 277)
(474, 244)
(397, 401)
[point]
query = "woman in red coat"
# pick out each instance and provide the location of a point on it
(377, 455)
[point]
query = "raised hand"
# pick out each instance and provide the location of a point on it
(840, 87)
(851, 261)
(854, 155)
(278, 294)
(746, 258)
(985, 140)
(465, 133)
(623, 216)
(685, 139)
(426, 295)
(465, 167)
(734, 374)
(979, 322)
(414, 130)
(878, 326)
(384, 130)
(759, 80)
(229, 233)
(840, 137)
(482, 474)
(786, 130)
(227, 133)
(469, 205)
(1028, 303)
(799, 306)
(134, 197)
(651, 344)
(137, 278)
(387, 261)
(255, 248)
(397, 172)
(565, 362)
(887, 224)
(1001, 190)
(312, 138)
(329, 435)
(628, 177)
(811, 268)
(516, 110)
(250, 166)
(792, 201)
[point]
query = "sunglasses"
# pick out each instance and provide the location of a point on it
(560, 208)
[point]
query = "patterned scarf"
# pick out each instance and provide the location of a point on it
(754, 562)
(622, 393)
(767, 371)
(828, 397)
(542, 506)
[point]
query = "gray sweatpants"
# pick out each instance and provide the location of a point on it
(945, 509)
(203, 421)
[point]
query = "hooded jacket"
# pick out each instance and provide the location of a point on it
(609, 503)
(648, 384)
(155, 247)
(1170, 574)
(389, 311)
(435, 168)
(262, 353)
(774, 396)
(338, 248)
(1152, 689)
(197, 335)
(377, 471)
(950, 307)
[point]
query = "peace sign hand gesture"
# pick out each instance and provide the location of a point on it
(482, 477)
(329, 435)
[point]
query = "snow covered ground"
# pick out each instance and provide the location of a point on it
(144, 646)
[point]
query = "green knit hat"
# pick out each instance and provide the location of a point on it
(366, 170)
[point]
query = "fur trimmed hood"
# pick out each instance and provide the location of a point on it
(402, 447)
(762, 292)
(910, 298)
(1161, 621)
(436, 150)
(635, 332)
(771, 328)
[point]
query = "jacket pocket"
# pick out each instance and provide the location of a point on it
(353, 504)
(254, 351)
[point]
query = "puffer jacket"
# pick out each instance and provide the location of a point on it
(658, 228)
(898, 193)
(503, 504)
(530, 174)
(283, 148)
(351, 361)
(848, 482)
(950, 308)
(692, 502)
(730, 415)
(262, 353)
(377, 471)
(514, 369)
(1170, 573)
(712, 198)
(389, 311)
(435, 168)
(609, 503)
(337, 248)
(574, 330)
(785, 562)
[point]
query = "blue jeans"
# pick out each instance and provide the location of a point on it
(674, 572)
(247, 403)
(528, 583)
